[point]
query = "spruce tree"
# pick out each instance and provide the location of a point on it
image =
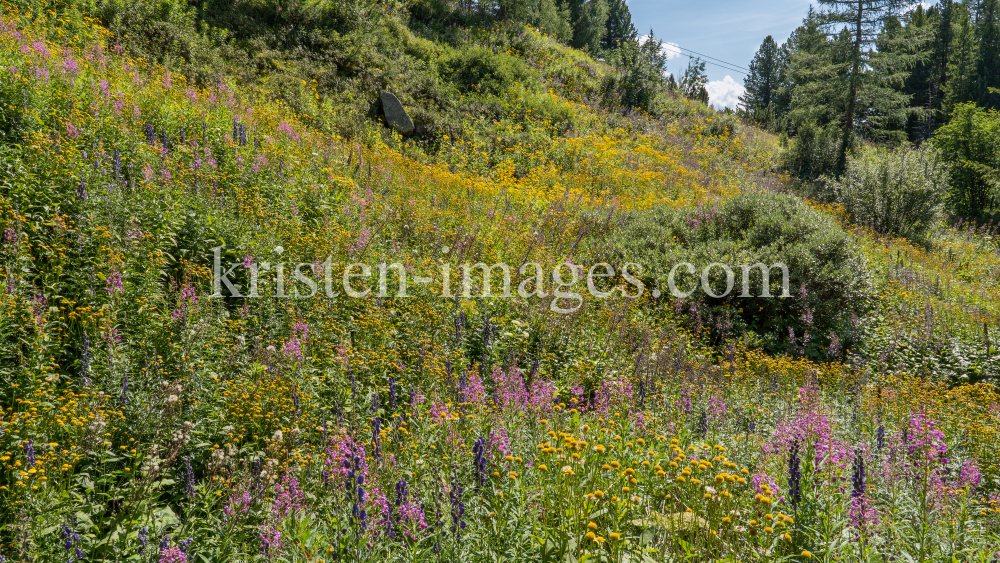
(900, 66)
(694, 80)
(816, 75)
(760, 101)
(588, 18)
(988, 67)
(618, 28)
(962, 60)
(921, 85)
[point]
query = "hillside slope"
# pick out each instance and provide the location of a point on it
(139, 411)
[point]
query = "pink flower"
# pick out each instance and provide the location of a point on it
(114, 284)
(968, 475)
(289, 498)
(173, 555)
(41, 48)
(70, 67)
(287, 130)
(863, 514)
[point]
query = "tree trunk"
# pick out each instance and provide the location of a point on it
(853, 90)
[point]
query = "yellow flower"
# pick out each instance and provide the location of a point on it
(614, 535)
(592, 526)
(590, 536)
(806, 554)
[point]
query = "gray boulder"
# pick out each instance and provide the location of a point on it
(395, 114)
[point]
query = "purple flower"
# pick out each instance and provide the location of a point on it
(114, 284)
(794, 474)
(29, 453)
(968, 475)
(173, 555)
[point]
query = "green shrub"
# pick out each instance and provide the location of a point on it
(828, 279)
(815, 150)
(970, 142)
(893, 192)
(477, 69)
(167, 32)
(638, 79)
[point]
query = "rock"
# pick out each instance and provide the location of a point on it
(395, 114)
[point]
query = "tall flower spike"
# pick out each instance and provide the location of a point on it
(794, 474)
(858, 477)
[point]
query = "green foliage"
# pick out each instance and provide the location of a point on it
(814, 150)
(620, 29)
(168, 32)
(638, 79)
(988, 67)
(692, 85)
(828, 279)
(765, 102)
(970, 143)
(893, 192)
(477, 69)
(588, 18)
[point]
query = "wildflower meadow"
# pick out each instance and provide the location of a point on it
(149, 414)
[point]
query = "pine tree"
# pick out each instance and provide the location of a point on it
(900, 65)
(816, 75)
(988, 67)
(760, 103)
(863, 21)
(618, 28)
(962, 60)
(694, 80)
(588, 18)
(639, 77)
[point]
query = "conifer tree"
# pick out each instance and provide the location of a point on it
(761, 101)
(988, 67)
(694, 80)
(816, 75)
(962, 60)
(640, 74)
(589, 18)
(863, 21)
(618, 28)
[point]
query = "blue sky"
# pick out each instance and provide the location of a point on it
(729, 30)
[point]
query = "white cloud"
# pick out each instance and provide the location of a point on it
(671, 50)
(724, 93)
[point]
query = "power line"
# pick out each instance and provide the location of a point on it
(714, 64)
(734, 66)
(675, 48)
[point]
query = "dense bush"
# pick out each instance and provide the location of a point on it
(893, 192)
(476, 69)
(814, 151)
(828, 280)
(970, 142)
